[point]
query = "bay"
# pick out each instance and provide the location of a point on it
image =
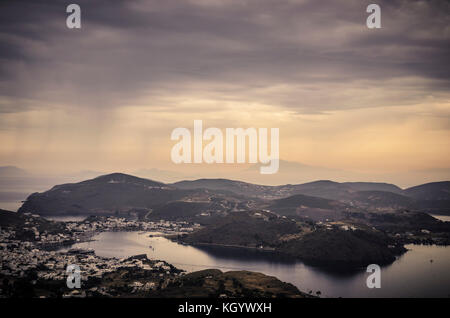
(423, 271)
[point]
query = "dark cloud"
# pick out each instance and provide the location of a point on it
(296, 54)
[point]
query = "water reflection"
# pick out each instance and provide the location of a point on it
(445, 218)
(412, 275)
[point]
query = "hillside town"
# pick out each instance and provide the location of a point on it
(52, 233)
(41, 261)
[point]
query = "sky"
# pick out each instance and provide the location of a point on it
(354, 102)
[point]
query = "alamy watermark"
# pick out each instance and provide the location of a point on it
(73, 20)
(74, 277)
(374, 279)
(235, 141)
(374, 19)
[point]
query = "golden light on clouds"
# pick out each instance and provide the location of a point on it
(382, 139)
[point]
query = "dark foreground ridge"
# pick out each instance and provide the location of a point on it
(214, 283)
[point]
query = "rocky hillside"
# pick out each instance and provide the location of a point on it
(332, 245)
(113, 194)
(214, 283)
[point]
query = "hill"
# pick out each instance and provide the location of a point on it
(430, 191)
(381, 199)
(249, 229)
(300, 240)
(18, 222)
(122, 194)
(343, 249)
(237, 187)
(374, 186)
(313, 208)
(125, 195)
(307, 201)
(432, 197)
(339, 191)
(180, 211)
(108, 194)
(215, 283)
(322, 188)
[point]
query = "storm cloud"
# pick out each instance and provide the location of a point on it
(345, 97)
(306, 56)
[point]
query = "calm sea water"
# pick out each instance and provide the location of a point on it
(445, 218)
(412, 275)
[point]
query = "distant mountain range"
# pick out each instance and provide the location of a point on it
(119, 193)
(12, 171)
